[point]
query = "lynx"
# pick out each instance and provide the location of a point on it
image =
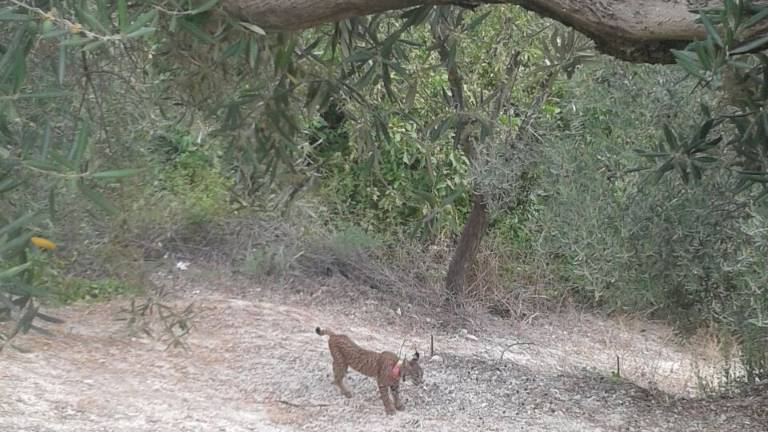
(384, 366)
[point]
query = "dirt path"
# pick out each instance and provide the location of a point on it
(256, 365)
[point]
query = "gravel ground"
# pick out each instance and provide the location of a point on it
(255, 364)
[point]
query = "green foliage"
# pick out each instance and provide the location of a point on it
(733, 131)
(410, 171)
(189, 182)
(73, 289)
(510, 225)
(47, 135)
(403, 182)
(685, 250)
(51, 272)
(275, 260)
(729, 268)
(352, 242)
(20, 294)
(88, 91)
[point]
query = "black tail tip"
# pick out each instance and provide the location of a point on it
(318, 331)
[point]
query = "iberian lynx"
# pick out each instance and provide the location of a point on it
(385, 366)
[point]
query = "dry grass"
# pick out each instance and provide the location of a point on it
(520, 296)
(254, 363)
(410, 275)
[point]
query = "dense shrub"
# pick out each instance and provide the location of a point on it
(690, 254)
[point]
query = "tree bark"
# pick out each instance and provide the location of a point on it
(472, 235)
(466, 250)
(633, 30)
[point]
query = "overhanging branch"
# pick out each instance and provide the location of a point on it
(634, 30)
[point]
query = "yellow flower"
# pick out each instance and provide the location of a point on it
(43, 243)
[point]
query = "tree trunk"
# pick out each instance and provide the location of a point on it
(472, 235)
(466, 250)
(633, 30)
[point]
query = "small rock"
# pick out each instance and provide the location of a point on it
(399, 312)
(471, 337)
(436, 359)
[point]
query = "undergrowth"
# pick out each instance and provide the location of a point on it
(580, 229)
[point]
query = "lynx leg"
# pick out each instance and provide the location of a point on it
(339, 371)
(396, 396)
(384, 393)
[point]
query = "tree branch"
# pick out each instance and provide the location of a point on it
(633, 30)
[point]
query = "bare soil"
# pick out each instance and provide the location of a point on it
(254, 363)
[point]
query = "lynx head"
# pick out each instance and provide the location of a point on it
(413, 370)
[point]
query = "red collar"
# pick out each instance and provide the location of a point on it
(394, 372)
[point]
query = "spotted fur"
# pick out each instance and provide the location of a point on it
(385, 366)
